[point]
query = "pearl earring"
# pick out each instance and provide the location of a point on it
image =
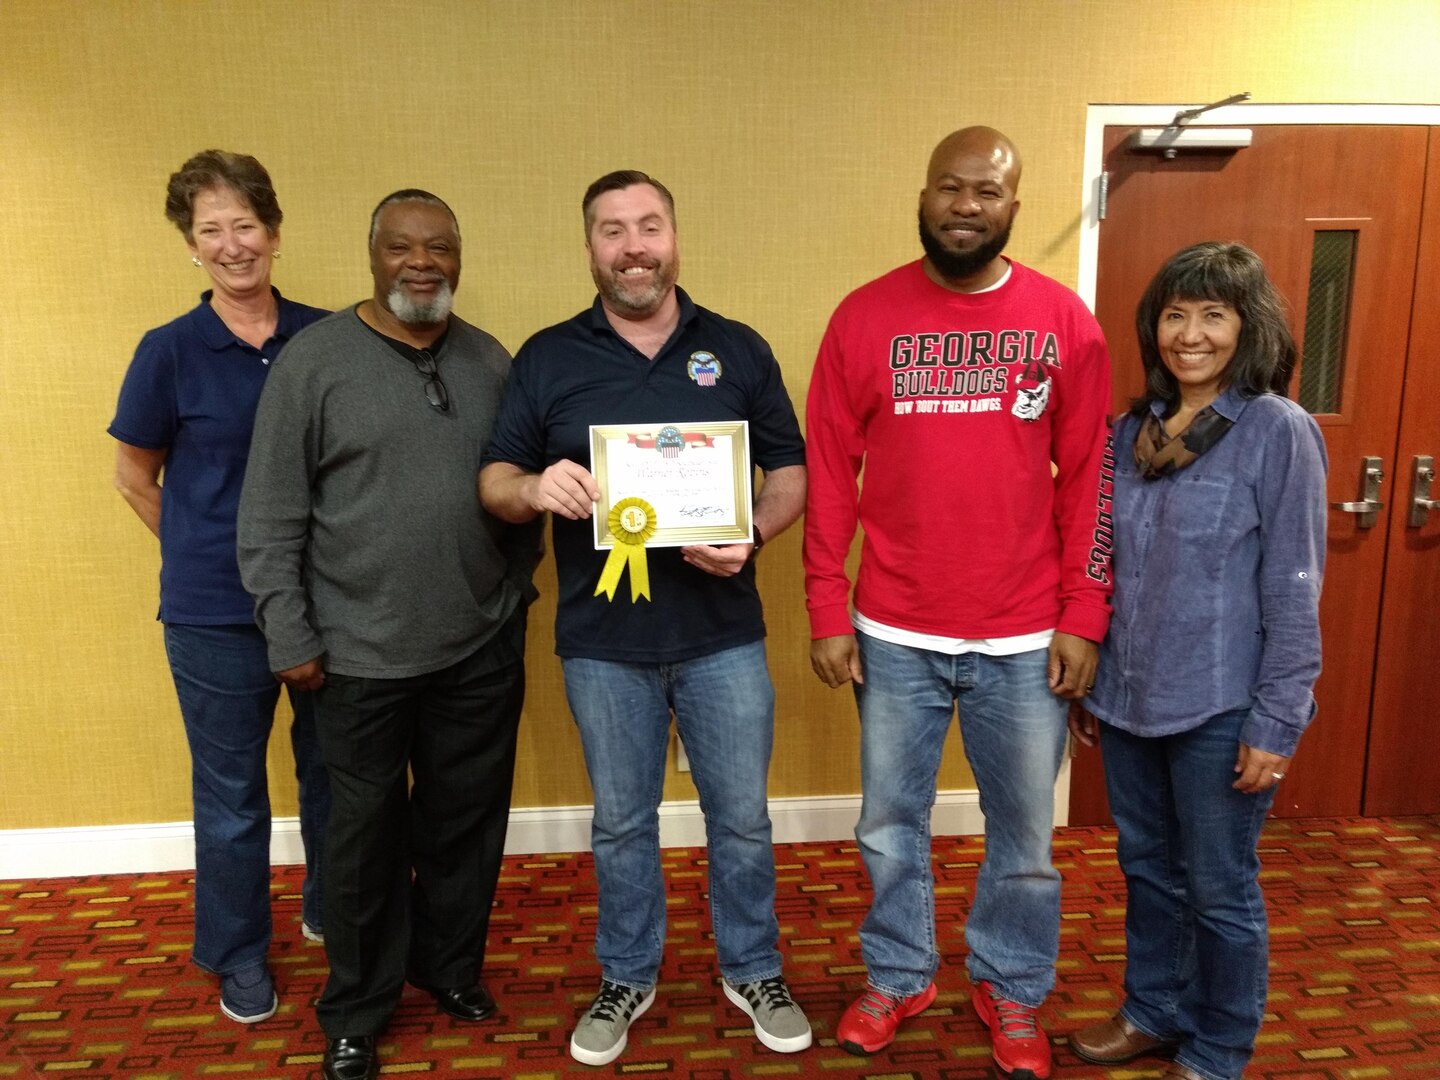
(196, 260)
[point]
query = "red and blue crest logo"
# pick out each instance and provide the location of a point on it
(704, 368)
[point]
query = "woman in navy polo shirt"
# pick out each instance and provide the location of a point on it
(186, 411)
(1204, 683)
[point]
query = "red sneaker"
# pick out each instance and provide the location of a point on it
(872, 1019)
(1017, 1043)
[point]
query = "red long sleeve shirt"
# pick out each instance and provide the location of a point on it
(956, 405)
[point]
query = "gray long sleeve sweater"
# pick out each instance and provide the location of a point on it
(361, 534)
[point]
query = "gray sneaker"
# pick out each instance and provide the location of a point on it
(600, 1036)
(779, 1022)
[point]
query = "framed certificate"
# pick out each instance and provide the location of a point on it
(693, 480)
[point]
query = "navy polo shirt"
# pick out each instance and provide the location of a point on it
(192, 389)
(581, 372)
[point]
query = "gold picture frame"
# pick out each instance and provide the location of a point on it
(695, 477)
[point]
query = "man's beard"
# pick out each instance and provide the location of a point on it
(629, 302)
(957, 265)
(434, 310)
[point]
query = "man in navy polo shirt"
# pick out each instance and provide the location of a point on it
(644, 352)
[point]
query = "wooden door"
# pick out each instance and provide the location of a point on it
(1290, 195)
(1402, 774)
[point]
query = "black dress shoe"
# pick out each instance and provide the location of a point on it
(353, 1058)
(471, 1002)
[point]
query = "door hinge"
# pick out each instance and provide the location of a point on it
(1102, 194)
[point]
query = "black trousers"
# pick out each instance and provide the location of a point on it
(410, 868)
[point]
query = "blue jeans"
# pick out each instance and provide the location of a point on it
(1196, 942)
(227, 700)
(724, 709)
(1014, 734)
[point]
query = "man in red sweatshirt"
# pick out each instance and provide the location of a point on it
(955, 382)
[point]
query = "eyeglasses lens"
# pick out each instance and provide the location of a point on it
(435, 392)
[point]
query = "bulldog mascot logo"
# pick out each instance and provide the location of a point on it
(1030, 401)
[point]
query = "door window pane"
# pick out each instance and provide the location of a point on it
(1327, 317)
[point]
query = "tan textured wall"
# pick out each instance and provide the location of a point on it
(793, 134)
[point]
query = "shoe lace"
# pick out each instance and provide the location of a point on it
(612, 999)
(1016, 1021)
(773, 992)
(878, 1005)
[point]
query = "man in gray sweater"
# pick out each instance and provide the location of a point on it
(382, 584)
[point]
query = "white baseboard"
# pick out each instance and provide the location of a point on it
(169, 846)
(793, 821)
(27, 854)
(110, 849)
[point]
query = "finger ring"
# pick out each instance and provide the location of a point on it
(1278, 775)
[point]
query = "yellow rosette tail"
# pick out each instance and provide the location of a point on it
(632, 523)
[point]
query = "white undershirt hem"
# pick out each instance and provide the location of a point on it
(952, 646)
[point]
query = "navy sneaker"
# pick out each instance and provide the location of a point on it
(248, 996)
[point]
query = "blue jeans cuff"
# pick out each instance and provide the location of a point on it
(643, 987)
(758, 975)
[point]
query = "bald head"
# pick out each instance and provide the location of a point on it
(981, 142)
(967, 208)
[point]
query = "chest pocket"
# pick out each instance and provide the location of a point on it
(1196, 520)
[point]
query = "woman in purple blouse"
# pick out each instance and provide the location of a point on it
(1204, 684)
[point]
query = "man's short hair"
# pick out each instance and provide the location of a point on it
(409, 195)
(619, 181)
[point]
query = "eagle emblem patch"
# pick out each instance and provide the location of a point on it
(704, 368)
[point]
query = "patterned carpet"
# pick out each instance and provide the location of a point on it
(95, 980)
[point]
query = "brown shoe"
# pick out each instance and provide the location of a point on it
(1116, 1041)
(1180, 1072)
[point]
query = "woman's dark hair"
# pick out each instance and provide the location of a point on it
(220, 168)
(1232, 274)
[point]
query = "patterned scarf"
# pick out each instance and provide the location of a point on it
(1158, 454)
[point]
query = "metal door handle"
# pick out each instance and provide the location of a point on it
(1369, 504)
(1422, 475)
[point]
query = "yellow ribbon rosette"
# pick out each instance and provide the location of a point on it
(632, 522)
